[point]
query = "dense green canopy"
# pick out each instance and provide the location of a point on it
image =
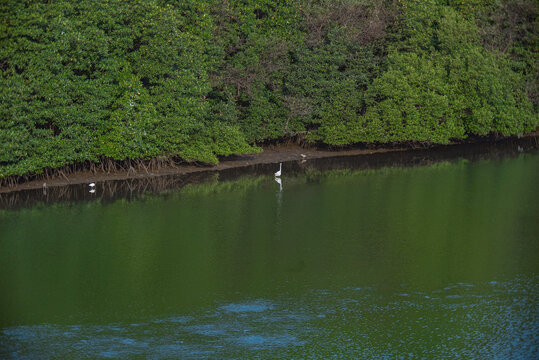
(90, 80)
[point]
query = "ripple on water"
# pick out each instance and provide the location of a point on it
(257, 306)
(495, 320)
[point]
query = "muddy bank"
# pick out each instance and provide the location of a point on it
(110, 187)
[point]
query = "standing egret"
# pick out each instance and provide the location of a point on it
(303, 156)
(91, 185)
(278, 173)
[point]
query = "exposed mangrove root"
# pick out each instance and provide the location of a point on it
(132, 167)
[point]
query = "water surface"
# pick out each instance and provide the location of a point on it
(433, 261)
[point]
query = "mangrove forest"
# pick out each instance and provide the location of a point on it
(90, 82)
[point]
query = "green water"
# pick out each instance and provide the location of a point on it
(436, 261)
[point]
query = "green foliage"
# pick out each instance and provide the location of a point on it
(106, 79)
(198, 79)
(511, 27)
(255, 38)
(441, 84)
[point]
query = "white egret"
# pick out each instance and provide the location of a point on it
(91, 185)
(303, 156)
(278, 173)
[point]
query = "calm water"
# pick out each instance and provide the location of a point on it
(435, 261)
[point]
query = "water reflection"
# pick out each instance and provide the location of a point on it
(280, 182)
(494, 320)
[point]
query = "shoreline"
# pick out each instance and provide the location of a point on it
(271, 154)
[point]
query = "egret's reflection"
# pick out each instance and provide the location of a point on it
(279, 181)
